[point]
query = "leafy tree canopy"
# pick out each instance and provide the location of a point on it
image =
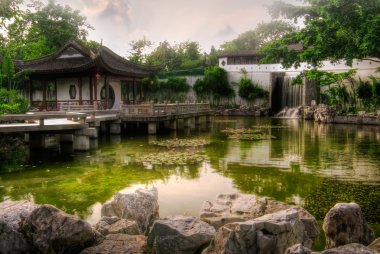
(254, 39)
(185, 55)
(138, 48)
(333, 30)
(42, 29)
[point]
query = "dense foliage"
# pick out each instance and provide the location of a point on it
(253, 40)
(172, 89)
(333, 30)
(343, 92)
(250, 91)
(214, 86)
(41, 29)
(368, 92)
(11, 102)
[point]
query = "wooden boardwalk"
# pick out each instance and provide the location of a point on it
(63, 121)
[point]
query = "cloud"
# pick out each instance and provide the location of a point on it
(210, 22)
(107, 10)
(227, 31)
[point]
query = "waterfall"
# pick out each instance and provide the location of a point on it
(289, 112)
(291, 97)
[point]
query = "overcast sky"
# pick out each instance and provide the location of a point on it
(209, 22)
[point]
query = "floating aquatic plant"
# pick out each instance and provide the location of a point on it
(247, 134)
(251, 136)
(269, 127)
(231, 131)
(172, 158)
(174, 143)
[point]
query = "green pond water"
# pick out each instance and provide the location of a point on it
(307, 164)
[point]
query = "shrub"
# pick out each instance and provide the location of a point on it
(12, 103)
(250, 91)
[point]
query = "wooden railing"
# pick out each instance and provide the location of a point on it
(68, 105)
(151, 109)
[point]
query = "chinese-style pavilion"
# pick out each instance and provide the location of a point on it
(77, 75)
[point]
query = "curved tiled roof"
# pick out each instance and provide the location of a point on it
(73, 57)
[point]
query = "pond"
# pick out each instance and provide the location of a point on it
(304, 163)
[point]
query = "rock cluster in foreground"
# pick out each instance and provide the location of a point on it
(233, 223)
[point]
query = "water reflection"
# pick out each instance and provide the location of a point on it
(307, 164)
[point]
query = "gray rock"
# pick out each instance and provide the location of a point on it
(345, 224)
(141, 206)
(324, 114)
(11, 213)
(271, 233)
(298, 249)
(115, 225)
(235, 207)
(52, 231)
(180, 235)
(375, 245)
(352, 248)
(120, 244)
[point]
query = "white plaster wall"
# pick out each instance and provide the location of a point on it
(115, 84)
(260, 73)
(63, 86)
(85, 88)
(117, 89)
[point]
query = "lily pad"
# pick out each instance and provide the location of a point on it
(172, 158)
(230, 131)
(174, 143)
(251, 136)
(269, 126)
(247, 134)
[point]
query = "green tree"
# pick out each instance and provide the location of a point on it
(8, 10)
(189, 54)
(7, 72)
(251, 92)
(333, 30)
(202, 92)
(164, 55)
(252, 40)
(216, 82)
(138, 48)
(212, 57)
(364, 92)
(43, 29)
(333, 86)
(11, 102)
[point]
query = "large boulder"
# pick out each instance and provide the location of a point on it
(52, 231)
(345, 224)
(180, 235)
(115, 225)
(375, 245)
(141, 206)
(235, 207)
(271, 233)
(299, 249)
(352, 248)
(11, 213)
(324, 114)
(120, 244)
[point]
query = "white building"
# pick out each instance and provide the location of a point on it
(276, 79)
